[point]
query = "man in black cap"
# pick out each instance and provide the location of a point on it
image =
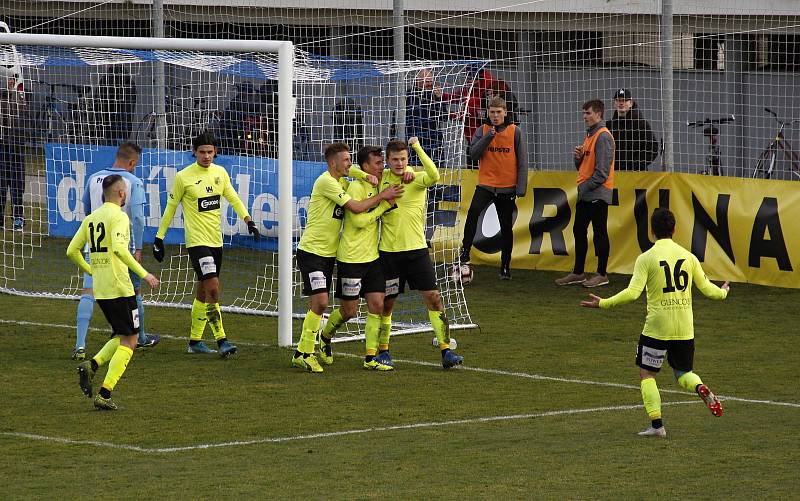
(636, 144)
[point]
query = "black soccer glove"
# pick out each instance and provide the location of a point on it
(251, 228)
(158, 249)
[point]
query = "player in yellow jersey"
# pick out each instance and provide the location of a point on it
(359, 272)
(199, 188)
(404, 251)
(107, 231)
(668, 272)
(316, 252)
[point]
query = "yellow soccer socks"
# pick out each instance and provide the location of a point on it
(652, 399)
(214, 316)
(384, 332)
(441, 328)
(335, 321)
(689, 381)
(199, 320)
(107, 351)
(117, 366)
(308, 335)
(371, 333)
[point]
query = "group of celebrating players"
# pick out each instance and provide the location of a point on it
(369, 222)
(370, 228)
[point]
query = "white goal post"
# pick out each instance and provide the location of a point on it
(286, 107)
(273, 107)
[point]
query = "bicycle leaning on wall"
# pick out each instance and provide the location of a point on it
(765, 166)
(713, 164)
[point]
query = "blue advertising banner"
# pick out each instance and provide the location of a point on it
(255, 180)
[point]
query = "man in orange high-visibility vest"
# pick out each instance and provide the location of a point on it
(594, 160)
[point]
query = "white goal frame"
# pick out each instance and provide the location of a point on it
(286, 113)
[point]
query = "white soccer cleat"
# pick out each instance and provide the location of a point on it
(654, 432)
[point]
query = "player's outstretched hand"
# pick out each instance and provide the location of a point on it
(373, 180)
(592, 302)
(251, 229)
(158, 249)
(726, 286)
(413, 140)
(151, 281)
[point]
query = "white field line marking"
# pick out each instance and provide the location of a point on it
(275, 440)
(496, 372)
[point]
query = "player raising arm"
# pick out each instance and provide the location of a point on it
(404, 252)
(199, 188)
(668, 272)
(316, 252)
(107, 231)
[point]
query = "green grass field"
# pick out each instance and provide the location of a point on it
(547, 406)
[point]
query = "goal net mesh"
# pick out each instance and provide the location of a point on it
(82, 103)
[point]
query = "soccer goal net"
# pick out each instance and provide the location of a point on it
(79, 104)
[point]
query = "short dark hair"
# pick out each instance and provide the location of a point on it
(364, 153)
(203, 139)
(334, 149)
(396, 145)
(595, 105)
(663, 223)
(498, 102)
(128, 151)
(108, 184)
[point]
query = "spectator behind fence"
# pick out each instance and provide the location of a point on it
(501, 89)
(636, 144)
(12, 153)
(473, 98)
(594, 160)
(426, 105)
(117, 102)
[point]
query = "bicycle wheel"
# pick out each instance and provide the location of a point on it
(765, 160)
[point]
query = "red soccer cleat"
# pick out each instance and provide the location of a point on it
(710, 399)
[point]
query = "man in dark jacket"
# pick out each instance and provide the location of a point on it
(636, 144)
(12, 146)
(426, 106)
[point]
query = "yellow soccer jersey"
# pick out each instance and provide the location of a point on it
(403, 228)
(325, 215)
(667, 271)
(199, 190)
(359, 242)
(107, 232)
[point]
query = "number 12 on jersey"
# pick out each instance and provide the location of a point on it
(101, 234)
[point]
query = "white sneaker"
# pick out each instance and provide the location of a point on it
(654, 432)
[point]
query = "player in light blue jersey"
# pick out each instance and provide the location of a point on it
(125, 162)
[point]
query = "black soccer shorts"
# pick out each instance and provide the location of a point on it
(354, 280)
(317, 272)
(206, 261)
(650, 354)
(413, 267)
(123, 315)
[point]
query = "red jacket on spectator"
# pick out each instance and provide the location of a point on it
(474, 103)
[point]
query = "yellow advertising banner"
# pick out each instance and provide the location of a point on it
(743, 230)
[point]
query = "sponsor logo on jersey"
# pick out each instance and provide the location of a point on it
(206, 204)
(338, 212)
(497, 149)
(209, 189)
(216, 181)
